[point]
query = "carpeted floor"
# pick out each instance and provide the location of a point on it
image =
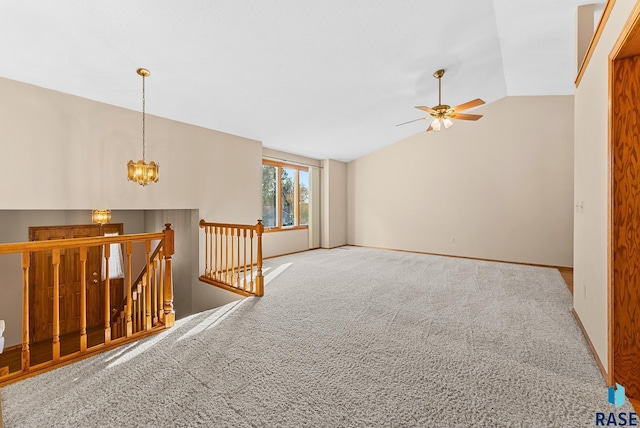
(349, 337)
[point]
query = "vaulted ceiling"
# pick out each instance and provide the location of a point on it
(323, 78)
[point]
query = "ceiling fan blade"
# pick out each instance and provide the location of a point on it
(473, 103)
(414, 120)
(427, 109)
(465, 116)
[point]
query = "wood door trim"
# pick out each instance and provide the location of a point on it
(626, 45)
(594, 40)
(610, 250)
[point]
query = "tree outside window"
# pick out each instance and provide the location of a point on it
(303, 199)
(269, 196)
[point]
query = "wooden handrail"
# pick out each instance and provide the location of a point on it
(230, 225)
(226, 262)
(19, 247)
(154, 294)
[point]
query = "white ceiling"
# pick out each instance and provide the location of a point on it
(323, 78)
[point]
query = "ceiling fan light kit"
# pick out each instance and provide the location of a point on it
(443, 113)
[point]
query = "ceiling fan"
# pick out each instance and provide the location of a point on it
(445, 113)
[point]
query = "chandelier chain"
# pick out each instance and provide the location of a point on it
(143, 116)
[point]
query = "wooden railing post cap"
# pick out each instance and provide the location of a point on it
(167, 226)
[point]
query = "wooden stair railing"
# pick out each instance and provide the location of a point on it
(154, 295)
(231, 253)
(145, 296)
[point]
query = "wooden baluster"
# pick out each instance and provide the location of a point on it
(128, 286)
(251, 277)
(154, 299)
(140, 312)
(147, 295)
(107, 295)
(134, 302)
(26, 352)
(140, 304)
(218, 273)
(226, 257)
(161, 285)
(233, 266)
(221, 265)
(56, 303)
(138, 308)
(244, 242)
(169, 314)
(218, 267)
(207, 252)
(83, 299)
(259, 277)
(238, 282)
(123, 321)
(134, 317)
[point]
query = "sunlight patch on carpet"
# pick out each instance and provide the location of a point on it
(214, 319)
(277, 271)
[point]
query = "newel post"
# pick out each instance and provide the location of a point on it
(169, 314)
(259, 277)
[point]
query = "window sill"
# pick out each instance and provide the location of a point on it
(285, 229)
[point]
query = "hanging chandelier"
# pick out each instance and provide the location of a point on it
(100, 216)
(141, 172)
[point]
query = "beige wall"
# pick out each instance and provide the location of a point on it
(590, 298)
(65, 152)
(333, 205)
(61, 152)
(500, 188)
(285, 242)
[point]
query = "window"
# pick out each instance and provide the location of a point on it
(285, 196)
(303, 196)
(269, 196)
(116, 261)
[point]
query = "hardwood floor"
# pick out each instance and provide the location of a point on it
(567, 275)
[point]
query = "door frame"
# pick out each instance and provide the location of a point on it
(627, 45)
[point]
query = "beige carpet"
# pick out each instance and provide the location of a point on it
(349, 337)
